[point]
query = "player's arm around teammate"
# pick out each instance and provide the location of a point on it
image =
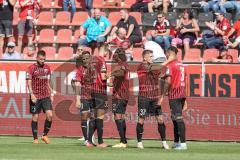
(120, 85)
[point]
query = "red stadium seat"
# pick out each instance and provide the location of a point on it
(128, 3)
(137, 15)
(79, 18)
(234, 54)
(76, 36)
(193, 55)
(63, 18)
(45, 18)
(137, 54)
(80, 4)
(58, 4)
(47, 4)
(64, 36)
(46, 36)
(210, 53)
(65, 53)
(50, 52)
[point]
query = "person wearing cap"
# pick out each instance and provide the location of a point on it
(220, 28)
(11, 53)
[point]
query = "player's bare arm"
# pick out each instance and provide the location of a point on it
(50, 88)
(33, 97)
(78, 93)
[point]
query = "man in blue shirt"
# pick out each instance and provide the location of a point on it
(96, 27)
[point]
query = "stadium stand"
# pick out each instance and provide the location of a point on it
(210, 53)
(65, 53)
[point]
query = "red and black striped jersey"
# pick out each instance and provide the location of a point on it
(40, 76)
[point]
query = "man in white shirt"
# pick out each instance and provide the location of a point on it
(11, 52)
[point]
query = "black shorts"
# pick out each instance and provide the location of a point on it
(41, 104)
(176, 106)
(119, 106)
(99, 101)
(86, 105)
(6, 28)
(148, 107)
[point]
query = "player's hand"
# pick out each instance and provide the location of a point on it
(185, 107)
(33, 98)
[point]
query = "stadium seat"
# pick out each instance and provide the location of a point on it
(148, 19)
(204, 17)
(47, 4)
(172, 18)
(193, 55)
(64, 36)
(46, 36)
(106, 3)
(58, 4)
(128, 3)
(50, 52)
(138, 17)
(65, 53)
(63, 18)
(137, 54)
(210, 53)
(79, 18)
(80, 4)
(234, 54)
(45, 18)
(182, 4)
(76, 36)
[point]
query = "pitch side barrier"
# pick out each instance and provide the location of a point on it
(213, 102)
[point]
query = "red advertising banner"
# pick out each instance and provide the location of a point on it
(213, 117)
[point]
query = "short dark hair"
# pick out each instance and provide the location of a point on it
(121, 54)
(41, 53)
(85, 52)
(145, 52)
(173, 49)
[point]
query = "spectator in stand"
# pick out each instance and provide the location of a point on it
(221, 29)
(11, 53)
(232, 5)
(97, 28)
(130, 24)
(156, 4)
(214, 5)
(140, 5)
(69, 3)
(29, 12)
(223, 58)
(234, 29)
(6, 17)
(120, 41)
(188, 29)
(161, 34)
(89, 5)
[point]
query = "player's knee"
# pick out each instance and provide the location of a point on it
(160, 120)
(35, 117)
(117, 116)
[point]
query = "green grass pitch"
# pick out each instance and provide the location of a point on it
(21, 148)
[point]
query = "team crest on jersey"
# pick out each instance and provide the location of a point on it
(46, 71)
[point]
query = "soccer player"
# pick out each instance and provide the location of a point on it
(176, 87)
(83, 95)
(120, 94)
(149, 98)
(99, 97)
(41, 95)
